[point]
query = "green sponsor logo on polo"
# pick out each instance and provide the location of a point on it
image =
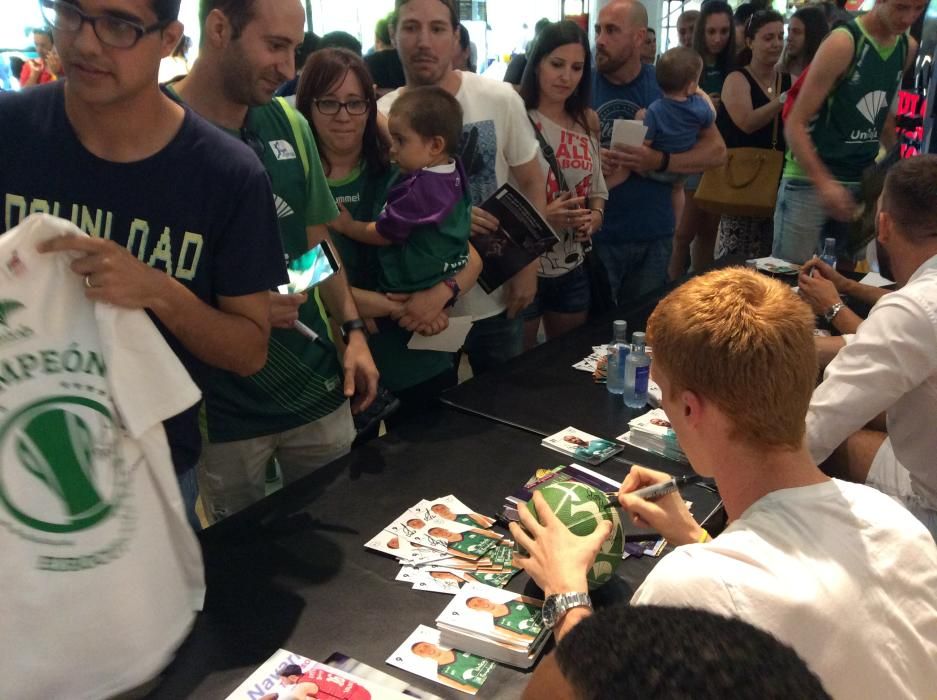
(61, 471)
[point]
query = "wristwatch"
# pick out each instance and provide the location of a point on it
(833, 310)
(558, 604)
(355, 324)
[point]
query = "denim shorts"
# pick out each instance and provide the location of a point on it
(801, 222)
(567, 294)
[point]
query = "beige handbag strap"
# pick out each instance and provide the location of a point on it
(777, 117)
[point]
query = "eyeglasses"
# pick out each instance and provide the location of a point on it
(253, 141)
(112, 31)
(332, 107)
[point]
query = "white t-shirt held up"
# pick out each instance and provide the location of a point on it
(100, 573)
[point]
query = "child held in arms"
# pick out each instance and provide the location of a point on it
(674, 121)
(424, 228)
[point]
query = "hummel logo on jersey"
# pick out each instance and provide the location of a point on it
(283, 150)
(283, 209)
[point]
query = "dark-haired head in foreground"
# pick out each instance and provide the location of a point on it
(659, 652)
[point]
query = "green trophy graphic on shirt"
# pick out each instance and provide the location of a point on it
(60, 466)
(57, 447)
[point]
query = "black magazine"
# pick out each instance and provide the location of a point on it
(523, 236)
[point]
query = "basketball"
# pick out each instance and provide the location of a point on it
(580, 508)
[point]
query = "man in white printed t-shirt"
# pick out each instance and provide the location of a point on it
(100, 573)
(890, 365)
(838, 571)
(497, 142)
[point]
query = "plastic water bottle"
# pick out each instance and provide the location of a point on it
(637, 373)
(829, 252)
(617, 352)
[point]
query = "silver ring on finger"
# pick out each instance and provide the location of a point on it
(88, 282)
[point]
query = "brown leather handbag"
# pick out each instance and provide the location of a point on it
(747, 184)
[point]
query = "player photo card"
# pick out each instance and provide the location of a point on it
(451, 508)
(423, 654)
(581, 445)
(505, 617)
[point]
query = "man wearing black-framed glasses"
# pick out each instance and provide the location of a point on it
(181, 225)
(297, 408)
(119, 145)
(116, 30)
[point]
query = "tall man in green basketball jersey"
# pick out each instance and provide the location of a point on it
(296, 408)
(842, 114)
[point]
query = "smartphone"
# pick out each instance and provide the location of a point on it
(311, 268)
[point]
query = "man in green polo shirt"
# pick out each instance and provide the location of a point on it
(842, 114)
(296, 408)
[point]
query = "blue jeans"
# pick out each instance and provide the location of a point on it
(493, 341)
(801, 222)
(634, 268)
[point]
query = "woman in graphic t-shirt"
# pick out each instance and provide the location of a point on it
(714, 40)
(555, 89)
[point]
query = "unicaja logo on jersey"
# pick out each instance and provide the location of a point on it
(871, 105)
(60, 471)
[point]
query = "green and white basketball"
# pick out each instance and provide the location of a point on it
(580, 507)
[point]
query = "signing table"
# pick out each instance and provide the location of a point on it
(292, 572)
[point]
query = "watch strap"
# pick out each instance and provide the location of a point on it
(833, 310)
(354, 324)
(562, 603)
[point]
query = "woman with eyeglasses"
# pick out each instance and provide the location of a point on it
(714, 40)
(752, 98)
(336, 95)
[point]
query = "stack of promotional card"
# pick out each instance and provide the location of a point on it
(426, 655)
(494, 623)
(654, 433)
(774, 266)
(290, 675)
(442, 543)
(592, 362)
(597, 364)
(581, 445)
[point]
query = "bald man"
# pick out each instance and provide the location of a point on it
(636, 238)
